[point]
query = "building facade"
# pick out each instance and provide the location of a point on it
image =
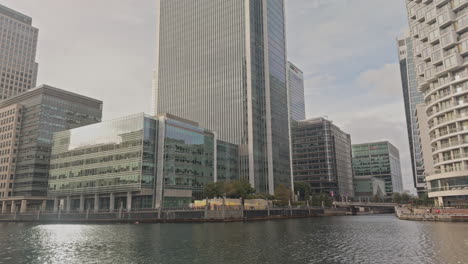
(296, 93)
(137, 162)
(322, 157)
(440, 40)
(369, 188)
(223, 65)
(423, 128)
(380, 160)
(27, 123)
(412, 97)
(18, 43)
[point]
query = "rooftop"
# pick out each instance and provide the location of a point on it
(15, 15)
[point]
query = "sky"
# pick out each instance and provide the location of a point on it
(346, 48)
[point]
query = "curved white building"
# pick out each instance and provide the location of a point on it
(440, 34)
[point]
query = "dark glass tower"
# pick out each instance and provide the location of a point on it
(412, 97)
(223, 64)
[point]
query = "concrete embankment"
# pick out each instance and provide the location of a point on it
(167, 216)
(440, 215)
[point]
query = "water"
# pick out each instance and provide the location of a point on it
(360, 239)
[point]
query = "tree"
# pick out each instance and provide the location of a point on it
(405, 198)
(303, 189)
(214, 189)
(397, 198)
(238, 189)
(282, 195)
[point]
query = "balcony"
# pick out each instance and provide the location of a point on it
(421, 14)
(426, 54)
(446, 18)
(459, 4)
(449, 39)
(461, 25)
(433, 36)
(431, 16)
(440, 3)
(453, 62)
(436, 57)
(449, 188)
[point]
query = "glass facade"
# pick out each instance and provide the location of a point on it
(223, 64)
(163, 161)
(380, 160)
(18, 40)
(322, 156)
(296, 92)
(412, 97)
(41, 112)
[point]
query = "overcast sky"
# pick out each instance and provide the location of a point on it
(346, 48)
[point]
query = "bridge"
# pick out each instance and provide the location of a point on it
(363, 204)
(366, 207)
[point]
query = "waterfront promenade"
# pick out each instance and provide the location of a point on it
(436, 215)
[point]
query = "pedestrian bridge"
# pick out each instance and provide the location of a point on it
(364, 204)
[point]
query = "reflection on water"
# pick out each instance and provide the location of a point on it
(360, 239)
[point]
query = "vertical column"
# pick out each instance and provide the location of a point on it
(13, 207)
(56, 204)
(4, 207)
(96, 203)
(24, 206)
(129, 201)
(44, 205)
(159, 183)
(68, 204)
(82, 200)
(111, 202)
(441, 201)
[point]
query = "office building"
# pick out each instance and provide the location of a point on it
(137, 162)
(322, 157)
(223, 65)
(296, 92)
(438, 29)
(412, 97)
(369, 188)
(27, 123)
(380, 160)
(18, 42)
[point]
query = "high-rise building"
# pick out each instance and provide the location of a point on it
(380, 160)
(27, 123)
(223, 65)
(322, 156)
(296, 93)
(137, 162)
(438, 29)
(425, 140)
(18, 42)
(412, 97)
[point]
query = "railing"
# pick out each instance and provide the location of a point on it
(450, 188)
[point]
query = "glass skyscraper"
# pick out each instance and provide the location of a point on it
(223, 65)
(296, 93)
(412, 97)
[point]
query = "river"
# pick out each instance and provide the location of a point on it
(357, 239)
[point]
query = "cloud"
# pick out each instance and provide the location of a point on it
(385, 80)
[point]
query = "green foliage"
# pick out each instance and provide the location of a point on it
(303, 189)
(397, 198)
(232, 189)
(282, 195)
(405, 198)
(317, 199)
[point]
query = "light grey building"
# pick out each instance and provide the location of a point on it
(223, 65)
(412, 97)
(18, 42)
(296, 93)
(322, 157)
(440, 45)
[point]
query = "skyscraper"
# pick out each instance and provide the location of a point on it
(296, 92)
(18, 42)
(438, 29)
(412, 97)
(322, 156)
(223, 65)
